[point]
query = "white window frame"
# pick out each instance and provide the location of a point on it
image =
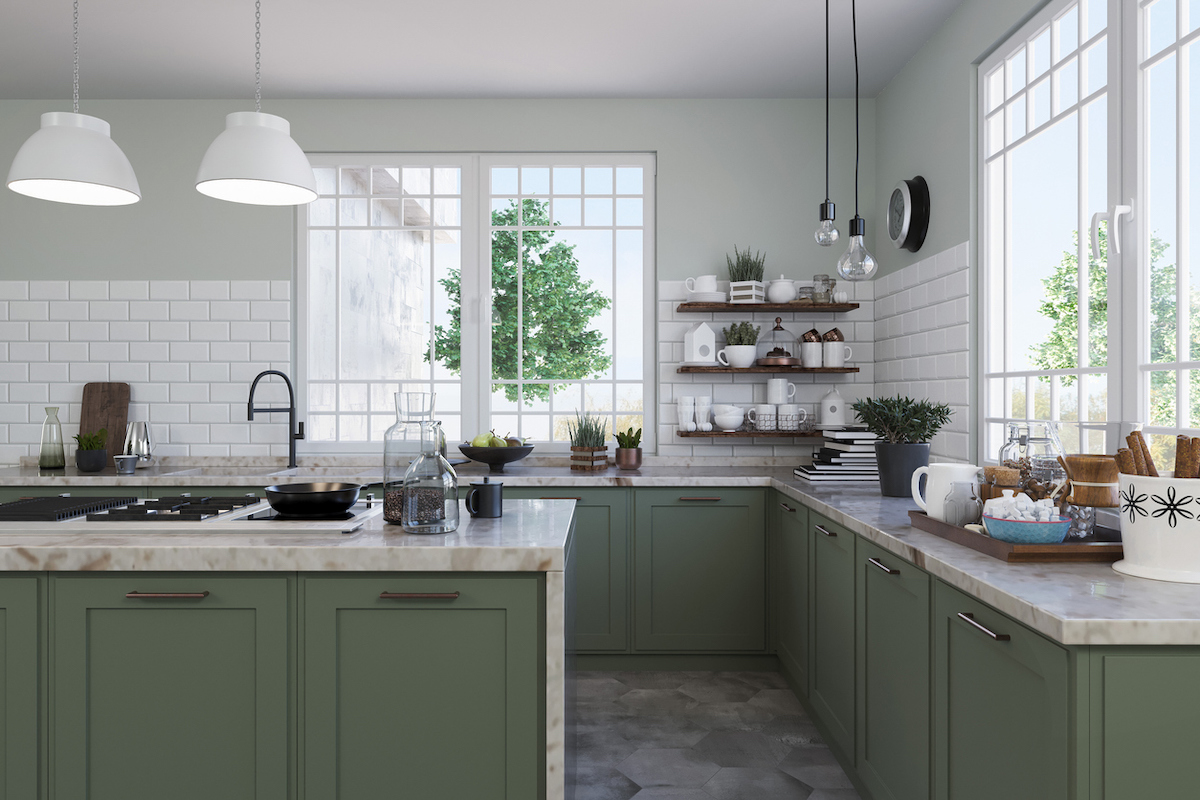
(476, 258)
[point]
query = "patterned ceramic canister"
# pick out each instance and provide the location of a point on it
(1160, 528)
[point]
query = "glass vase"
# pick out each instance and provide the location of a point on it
(429, 499)
(52, 455)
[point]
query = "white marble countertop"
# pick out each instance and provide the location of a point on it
(1070, 603)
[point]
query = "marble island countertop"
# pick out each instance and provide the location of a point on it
(1070, 603)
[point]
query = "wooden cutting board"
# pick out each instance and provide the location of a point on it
(106, 405)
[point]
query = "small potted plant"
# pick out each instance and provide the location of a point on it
(91, 455)
(904, 427)
(746, 276)
(629, 449)
(589, 448)
(741, 345)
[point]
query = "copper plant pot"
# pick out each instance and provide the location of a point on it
(629, 458)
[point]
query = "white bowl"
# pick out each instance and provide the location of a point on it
(729, 422)
(1160, 528)
(722, 408)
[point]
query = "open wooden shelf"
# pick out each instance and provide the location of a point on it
(816, 437)
(746, 308)
(770, 370)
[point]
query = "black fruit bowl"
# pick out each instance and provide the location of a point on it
(495, 457)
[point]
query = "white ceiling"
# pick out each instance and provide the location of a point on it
(457, 48)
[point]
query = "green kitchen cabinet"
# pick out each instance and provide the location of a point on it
(893, 725)
(422, 686)
(791, 554)
(831, 636)
(1001, 701)
(20, 655)
(169, 686)
(699, 570)
(602, 563)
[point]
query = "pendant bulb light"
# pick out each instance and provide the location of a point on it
(857, 263)
(255, 160)
(826, 233)
(72, 158)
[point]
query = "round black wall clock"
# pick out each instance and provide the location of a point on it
(908, 214)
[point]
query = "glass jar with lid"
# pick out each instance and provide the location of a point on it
(778, 347)
(429, 497)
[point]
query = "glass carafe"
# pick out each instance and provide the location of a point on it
(52, 455)
(429, 493)
(402, 442)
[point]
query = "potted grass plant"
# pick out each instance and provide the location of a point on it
(741, 345)
(746, 276)
(90, 455)
(629, 450)
(904, 427)
(589, 448)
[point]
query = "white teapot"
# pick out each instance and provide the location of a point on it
(781, 291)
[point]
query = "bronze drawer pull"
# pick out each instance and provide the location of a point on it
(969, 618)
(826, 531)
(576, 499)
(693, 499)
(788, 508)
(883, 566)
(418, 595)
(166, 595)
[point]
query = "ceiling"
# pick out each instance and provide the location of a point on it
(457, 48)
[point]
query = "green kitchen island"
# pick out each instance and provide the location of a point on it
(275, 662)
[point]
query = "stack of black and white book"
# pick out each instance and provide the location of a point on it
(847, 455)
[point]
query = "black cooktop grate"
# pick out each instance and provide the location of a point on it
(181, 509)
(56, 509)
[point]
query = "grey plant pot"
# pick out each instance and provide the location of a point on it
(897, 463)
(91, 460)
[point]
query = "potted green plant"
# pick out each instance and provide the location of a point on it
(746, 276)
(589, 448)
(629, 450)
(904, 427)
(741, 345)
(90, 456)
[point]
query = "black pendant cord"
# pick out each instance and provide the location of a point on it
(826, 101)
(854, 32)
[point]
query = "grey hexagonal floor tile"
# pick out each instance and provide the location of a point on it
(794, 730)
(602, 747)
(832, 794)
(657, 701)
(718, 689)
(759, 680)
(668, 767)
(654, 679)
(741, 749)
(603, 783)
(756, 783)
(817, 767)
(672, 793)
(777, 701)
(661, 731)
(729, 716)
(593, 687)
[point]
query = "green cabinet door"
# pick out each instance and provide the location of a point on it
(182, 697)
(602, 563)
(831, 635)
(411, 696)
(20, 733)
(790, 557)
(893, 724)
(700, 570)
(1001, 706)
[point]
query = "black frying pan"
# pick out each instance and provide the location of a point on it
(313, 500)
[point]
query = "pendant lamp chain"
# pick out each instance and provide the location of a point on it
(76, 41)
(257, 54)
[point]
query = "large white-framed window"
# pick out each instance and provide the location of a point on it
(495, 281)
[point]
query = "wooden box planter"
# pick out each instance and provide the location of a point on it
(589, 459)
(746, 292)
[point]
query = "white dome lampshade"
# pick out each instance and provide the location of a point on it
(72, 159)
(256, 161)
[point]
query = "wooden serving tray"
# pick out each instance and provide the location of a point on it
(1096, 552)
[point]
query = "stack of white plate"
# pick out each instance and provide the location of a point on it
(707, 297)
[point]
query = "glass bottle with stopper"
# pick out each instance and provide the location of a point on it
(777, 348)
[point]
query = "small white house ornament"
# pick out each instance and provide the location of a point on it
(833, 408)
(700, 345)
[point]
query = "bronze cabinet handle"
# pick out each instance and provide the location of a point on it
(788, 508)
(166, 595)
(696, 499)
(576, 499)
(418, 595)
(826, 531)
(883, 566)
(969, 618)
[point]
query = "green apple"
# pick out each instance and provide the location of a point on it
(482, 440)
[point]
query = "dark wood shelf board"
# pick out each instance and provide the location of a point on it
(816, 437)
(770, 370)
(790, 308)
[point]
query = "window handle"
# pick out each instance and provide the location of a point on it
(1113, 215)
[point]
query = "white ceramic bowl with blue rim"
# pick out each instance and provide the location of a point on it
(1160, 528)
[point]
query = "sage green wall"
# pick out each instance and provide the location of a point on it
(749, 172)
(925, 120)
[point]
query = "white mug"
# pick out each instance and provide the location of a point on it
(703, 283)
(790, 416)
(762, 416)
(780, 390)
(836, 353)
(739, 356)
(937, 485)
(810, 354)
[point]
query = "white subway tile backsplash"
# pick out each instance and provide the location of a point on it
(80, 373)
(189, 310)
(28, 310)
(169, 290)
(249, 331)
(210, 331)
(281, 331)
(149, 351)
(130, 373)
(49, 290)
(210, 372)
(189, 351)
(129, 331)
(189, 392)
(150, 310)
(229, 351)
(250, 290)
(169, 331)
(89, 290)
(70, 310)
(86, 331)
(129, 290)
(109, 351)
(169, 412)
(233, 310)
(210, 290)
(29, 351)
(281, 290)
(169, 372)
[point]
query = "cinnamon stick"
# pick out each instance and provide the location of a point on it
(1195, 445)
(1184, 466)
(1125, 461)
(1151, 470)
(1139, 458)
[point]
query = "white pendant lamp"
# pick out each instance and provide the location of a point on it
(72, 159)
(255, 160)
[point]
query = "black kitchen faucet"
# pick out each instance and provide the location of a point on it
(294, 432)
